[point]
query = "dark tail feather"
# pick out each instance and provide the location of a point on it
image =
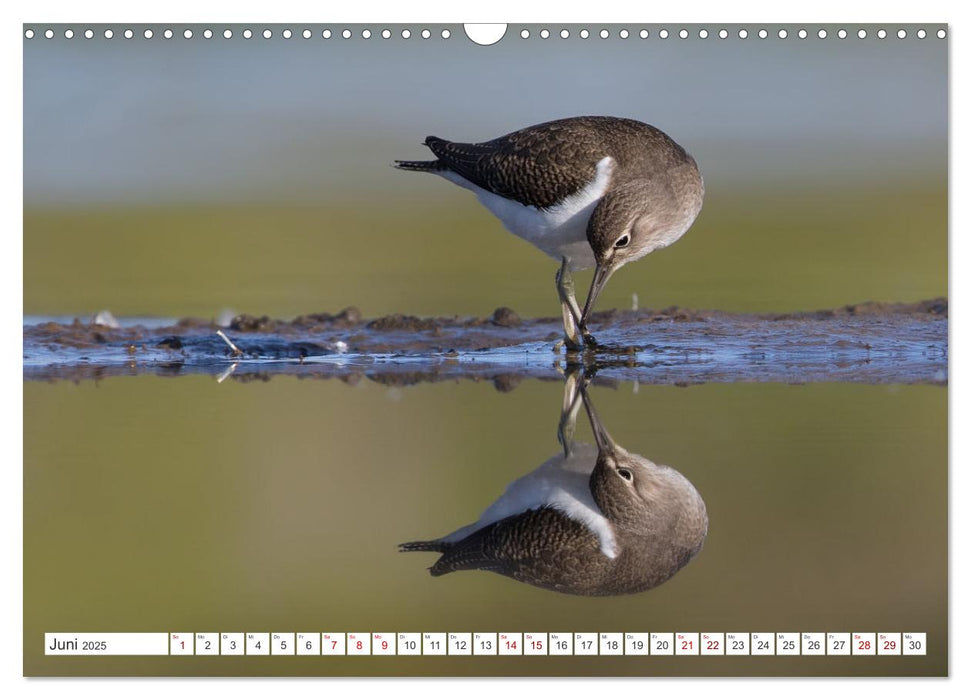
(428, 166)
(427, 546)
(424, 166)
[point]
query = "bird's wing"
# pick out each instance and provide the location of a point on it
(539, 166)
(534, 546)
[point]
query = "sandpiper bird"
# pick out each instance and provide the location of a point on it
(588, 191)
(587, 521)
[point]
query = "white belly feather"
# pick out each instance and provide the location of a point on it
(560, 483)
(561, 230)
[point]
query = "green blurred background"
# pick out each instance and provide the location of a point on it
(187, 505)
(745, 253)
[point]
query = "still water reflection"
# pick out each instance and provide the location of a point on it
(185, 504)
(588, 521)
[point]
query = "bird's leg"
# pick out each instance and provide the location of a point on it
(572, 394)
(571, 310)
(567, 290)
(564, 284)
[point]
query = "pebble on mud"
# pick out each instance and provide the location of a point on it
(247, 323)
(351, 316)
(505, 317)
(172, 342)
(400, 322)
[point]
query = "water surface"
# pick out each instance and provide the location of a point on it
(160, 504)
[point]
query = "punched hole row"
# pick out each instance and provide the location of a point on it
(245, 34)
(524, 34)
(725, 33)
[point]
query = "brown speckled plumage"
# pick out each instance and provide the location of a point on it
(544, 164)
(547, 549)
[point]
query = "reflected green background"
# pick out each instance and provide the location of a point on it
(188, 505)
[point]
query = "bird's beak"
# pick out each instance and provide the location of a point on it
(600, 276)
(605, 443)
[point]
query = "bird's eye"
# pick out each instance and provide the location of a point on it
(625, 474)
(623, 241)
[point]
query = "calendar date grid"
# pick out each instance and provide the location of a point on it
(486, 644)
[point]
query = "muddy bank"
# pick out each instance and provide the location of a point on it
(869, 342)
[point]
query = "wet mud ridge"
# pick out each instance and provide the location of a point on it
(868, 343)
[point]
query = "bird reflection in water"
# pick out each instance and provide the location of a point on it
(592, 521)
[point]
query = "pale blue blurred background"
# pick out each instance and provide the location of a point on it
(121, 121)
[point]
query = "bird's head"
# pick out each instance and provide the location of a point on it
(643, 498)
(638, 217)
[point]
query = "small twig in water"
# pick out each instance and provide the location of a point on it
(236, 351)
(222, 377)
